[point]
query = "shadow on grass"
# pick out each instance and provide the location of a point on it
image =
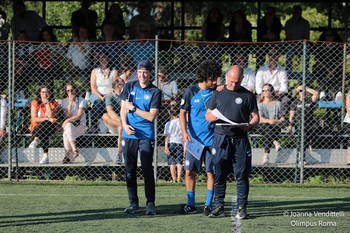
(84, 215)
(265, 208)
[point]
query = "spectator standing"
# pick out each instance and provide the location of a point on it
(271, 117)
(24, 20)
(275, 75)
(295, 117)
(194, 127)
(74, 124)
(43, 120)
(141, 101)
(143, 23)
(269, 29)
(85, 17)
(112, 117)
(101, 82)
(231, 148)
(328, 67)
(213, 29)
(240, 29)
(3, 113)
(297, 28)
(167, 85)
(115, 16)
(174, 143)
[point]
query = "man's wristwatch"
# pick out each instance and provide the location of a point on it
(133, 109)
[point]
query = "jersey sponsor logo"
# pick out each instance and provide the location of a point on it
(182, 102)
(238, 100)
(197, 101)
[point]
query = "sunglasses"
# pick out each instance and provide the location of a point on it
(70, 90)
(265, 90)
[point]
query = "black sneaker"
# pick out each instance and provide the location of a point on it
(217, 212)
(132, 210)
(150, 209)
(242, 213)
(189, 209)
(206, 210)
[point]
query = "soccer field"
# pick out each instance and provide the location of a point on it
(77, 207)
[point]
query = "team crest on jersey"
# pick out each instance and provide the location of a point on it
(123, 143)
(132, 93)
(238, 100)
(213, 151)
(187, 163)
(146, 97)
(182, 102)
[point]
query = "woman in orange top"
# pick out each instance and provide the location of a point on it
(43, 120)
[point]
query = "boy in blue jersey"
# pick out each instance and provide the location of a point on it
(141, 101)
(231, 148)
(194, 126)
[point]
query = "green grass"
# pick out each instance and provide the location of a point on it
(98, 207)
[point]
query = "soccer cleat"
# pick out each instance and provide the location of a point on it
(132, 210)
(44, 159)
(217, 212)
(189, 209)
(206, 210)
(150, 209)
(33, 144)
(242, 213)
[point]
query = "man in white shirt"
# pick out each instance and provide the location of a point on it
(273, 74)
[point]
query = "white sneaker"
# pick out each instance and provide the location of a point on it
(33, 144)
(44, 159)
(322, 95)
(266, 159)
(277, 145)
(339, 96)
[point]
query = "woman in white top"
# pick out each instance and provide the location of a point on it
(75, 123)
(101, 81)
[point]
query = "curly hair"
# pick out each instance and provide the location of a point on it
(208, 70)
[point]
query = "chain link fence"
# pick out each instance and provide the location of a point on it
(298, 138)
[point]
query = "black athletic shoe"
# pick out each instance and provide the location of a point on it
(217, 212)
(206, 210)
(189, 209)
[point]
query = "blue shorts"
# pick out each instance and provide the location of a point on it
(176, 154)
(193, 164)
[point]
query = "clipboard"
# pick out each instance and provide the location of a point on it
(195, 148)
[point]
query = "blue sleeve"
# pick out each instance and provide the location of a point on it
(156, 100)
(186, 100)
(124, 95)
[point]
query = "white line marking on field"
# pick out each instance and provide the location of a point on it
(235, 223)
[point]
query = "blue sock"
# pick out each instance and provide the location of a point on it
(190, 198)
(209, 197)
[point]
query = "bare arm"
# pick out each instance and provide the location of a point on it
(183, 124)
(93, 85)
(123, 111)
(113, 114)
(150, 116)
(209, 116)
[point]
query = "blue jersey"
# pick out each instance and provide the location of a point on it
(195, 101)
(144, 99)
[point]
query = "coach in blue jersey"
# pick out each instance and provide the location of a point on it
(231, 148)
(194, 126)
(141, 101)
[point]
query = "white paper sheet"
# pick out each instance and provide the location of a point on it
(219, 115)
(346, 118)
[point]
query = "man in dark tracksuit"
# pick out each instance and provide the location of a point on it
(231, 148)
(141, 101)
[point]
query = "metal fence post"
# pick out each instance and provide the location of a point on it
(10, 105)
(155, 151)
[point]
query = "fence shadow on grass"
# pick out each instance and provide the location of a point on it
(265, 208)
(83, 215)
